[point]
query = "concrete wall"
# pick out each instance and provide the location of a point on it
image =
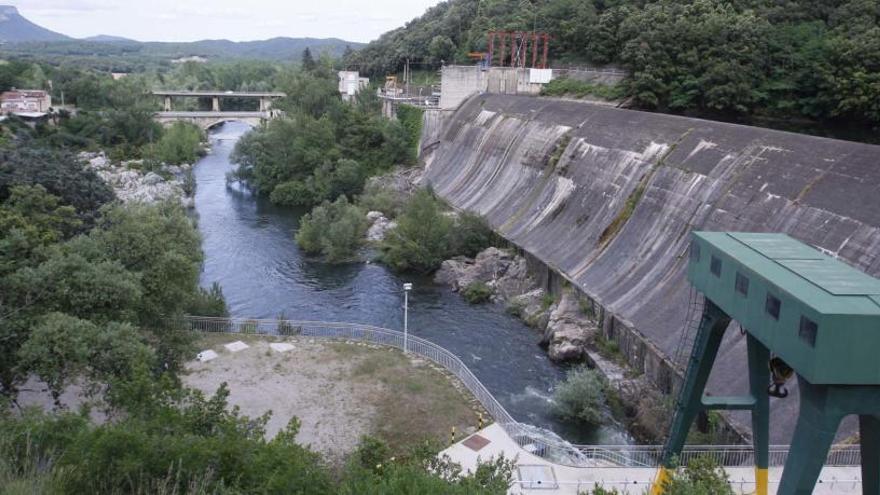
(460, 82)
(495, 156)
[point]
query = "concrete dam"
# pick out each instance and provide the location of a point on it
(606, 199)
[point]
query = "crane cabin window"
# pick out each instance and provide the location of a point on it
(742, 284)
(808, 331)
(773, 306)
(715, 267)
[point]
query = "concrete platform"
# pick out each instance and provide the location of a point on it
(236, 346)
(207, 355)
(538, 476)
(281, 347)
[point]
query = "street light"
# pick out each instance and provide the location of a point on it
(406, 288)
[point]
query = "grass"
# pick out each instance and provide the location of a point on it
(416, 402)
(477, 293)
(414, 399)
(620, 220)
(573, 88)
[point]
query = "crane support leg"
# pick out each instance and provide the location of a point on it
(869, 434)
(816, 427)
(706, 343)
(759, 377)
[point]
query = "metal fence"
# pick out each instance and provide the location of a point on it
(527, 437)
(723, 455)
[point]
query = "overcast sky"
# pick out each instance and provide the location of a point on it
(238, 20)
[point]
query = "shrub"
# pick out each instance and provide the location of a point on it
(375, 197)
(421, 240)
(209, 302)
(334, 230)
(564, 86)
(472, 234)
(477, 293)
(581, 397)
(702, 475)
(293, 193)
(180, 143)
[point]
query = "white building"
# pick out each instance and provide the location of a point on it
(350, 83)
(25, 101)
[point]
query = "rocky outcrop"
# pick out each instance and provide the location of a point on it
(568, 331)
(133, 185)
(500, 269)
(379, 226)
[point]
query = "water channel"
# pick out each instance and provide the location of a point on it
(249, 249)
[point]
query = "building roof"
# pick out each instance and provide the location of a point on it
(23, 93)
(826, 284)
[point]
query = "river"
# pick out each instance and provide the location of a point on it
(249, 249)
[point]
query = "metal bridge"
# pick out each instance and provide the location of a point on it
(216, 116)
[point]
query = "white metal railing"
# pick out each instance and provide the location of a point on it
(526, 436)
(723, 455)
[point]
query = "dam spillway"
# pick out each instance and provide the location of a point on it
(606, 198)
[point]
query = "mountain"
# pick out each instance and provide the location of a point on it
(15, 29)
(106, 38)
(22, 37)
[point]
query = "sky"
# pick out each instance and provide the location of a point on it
(237, 20)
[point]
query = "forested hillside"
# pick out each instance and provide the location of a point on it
(810, 59)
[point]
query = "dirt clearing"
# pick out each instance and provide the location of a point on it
(340, 391)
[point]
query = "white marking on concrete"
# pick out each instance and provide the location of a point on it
(702, 145)
(281, 347)
(236, 346)
(207, 355)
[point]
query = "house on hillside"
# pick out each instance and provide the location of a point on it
(26, 101)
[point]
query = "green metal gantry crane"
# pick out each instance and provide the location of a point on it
(803, 312)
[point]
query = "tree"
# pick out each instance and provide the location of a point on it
(581, 397)
(421, 240)
(181, 143)
(308, 62)
(701, 476)
(59, 173)
(334, 230)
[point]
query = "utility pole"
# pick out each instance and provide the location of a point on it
(406, 77)
(406, 288)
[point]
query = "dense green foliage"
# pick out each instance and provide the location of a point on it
(133, 56)
(581, 397)
(421, 240)
(333, 230)
(324, 148)
(701, 476)
(180, 143)
(172, 440)
(782, 59)
(427, 234)
(58, 172)
(564, 86)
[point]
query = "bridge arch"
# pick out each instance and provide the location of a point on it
(219, 122)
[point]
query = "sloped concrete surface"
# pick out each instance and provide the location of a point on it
(555, 178)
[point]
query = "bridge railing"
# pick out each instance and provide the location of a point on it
(529, 438)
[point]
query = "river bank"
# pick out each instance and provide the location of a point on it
(249, 249)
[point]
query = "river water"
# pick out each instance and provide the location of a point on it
(250, 250)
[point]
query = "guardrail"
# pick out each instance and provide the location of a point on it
(527, 437)
(723, 455)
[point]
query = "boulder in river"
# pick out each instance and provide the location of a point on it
(569, 330)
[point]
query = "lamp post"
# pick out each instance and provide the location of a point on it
(406, 288)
